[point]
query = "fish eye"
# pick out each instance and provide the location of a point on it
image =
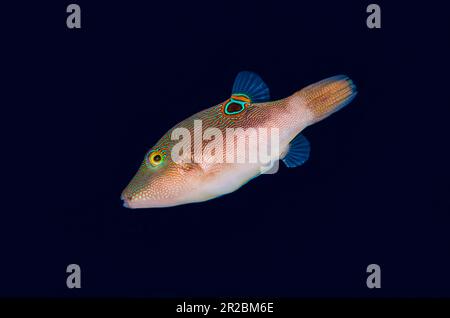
(156, 158)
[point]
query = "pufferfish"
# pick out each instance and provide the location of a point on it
(162, 181)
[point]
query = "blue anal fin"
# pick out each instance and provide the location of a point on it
(298, 152)
(252, 85)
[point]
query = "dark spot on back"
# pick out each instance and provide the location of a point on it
(234, 107)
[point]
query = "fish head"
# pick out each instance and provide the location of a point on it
(162, 182)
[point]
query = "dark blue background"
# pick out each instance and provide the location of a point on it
(89, 103)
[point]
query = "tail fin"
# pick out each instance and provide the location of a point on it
(327, 96)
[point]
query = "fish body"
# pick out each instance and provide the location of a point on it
(194, 162)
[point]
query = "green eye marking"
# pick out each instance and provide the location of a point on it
(232, 108)
(236, 104)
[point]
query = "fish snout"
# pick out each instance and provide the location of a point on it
(131, 202)
(126, 200)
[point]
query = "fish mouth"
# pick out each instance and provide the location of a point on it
(126, 202)
(146, 204)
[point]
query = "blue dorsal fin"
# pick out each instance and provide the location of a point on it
(298, 152)
(252, 85)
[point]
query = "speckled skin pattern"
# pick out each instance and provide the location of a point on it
(172, 183)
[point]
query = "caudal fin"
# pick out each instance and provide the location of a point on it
(324, 98)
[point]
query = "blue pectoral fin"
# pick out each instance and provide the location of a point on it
(298, 152)
(252, 85)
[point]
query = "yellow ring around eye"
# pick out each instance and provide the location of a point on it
(156, 158)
